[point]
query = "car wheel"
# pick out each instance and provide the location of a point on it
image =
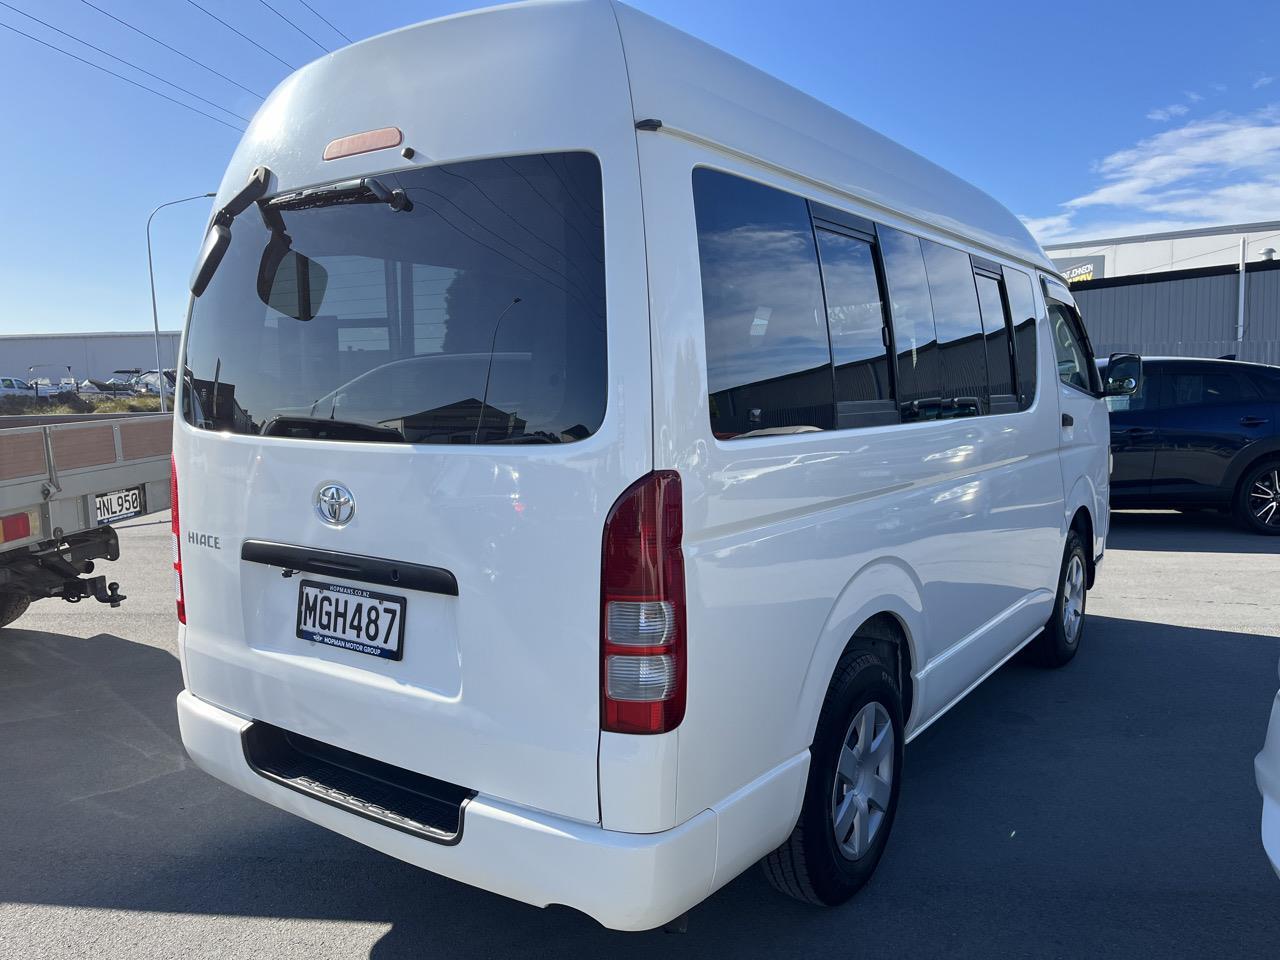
(852, 795)
(1257, 503)
(1060, 639)
(12, 606)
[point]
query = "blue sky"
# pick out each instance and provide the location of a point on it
(1087, 119)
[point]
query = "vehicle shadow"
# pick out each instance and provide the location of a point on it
(1203, 531)
(1107, 809)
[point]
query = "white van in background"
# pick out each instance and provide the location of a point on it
(591, 472)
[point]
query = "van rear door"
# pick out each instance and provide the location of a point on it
(404, 427)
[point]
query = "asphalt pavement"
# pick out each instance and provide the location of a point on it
(1107, 809)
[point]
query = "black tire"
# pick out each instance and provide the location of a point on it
(810, 865)
(12, 606)
(1056, 645)
(1259, 490)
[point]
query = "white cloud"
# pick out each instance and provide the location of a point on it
(1262, 82)
(1192, 96)
(1218, 87)
(1222, 169)
(1169, 112)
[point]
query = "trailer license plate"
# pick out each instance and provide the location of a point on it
(352, 618)
(117, 505)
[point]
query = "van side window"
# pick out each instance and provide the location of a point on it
(1022, 308)
(768, 356)
(855, 318)
(919, 375)
(1073, 359)
(958, 326)
(995, 327)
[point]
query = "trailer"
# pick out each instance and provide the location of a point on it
(64, 482)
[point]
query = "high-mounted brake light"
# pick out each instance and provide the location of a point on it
(642, 612)
(179, 594)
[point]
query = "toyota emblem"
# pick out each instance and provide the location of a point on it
(335, 505)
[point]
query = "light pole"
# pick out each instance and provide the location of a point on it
(155, 316)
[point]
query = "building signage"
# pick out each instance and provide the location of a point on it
(1075, 269)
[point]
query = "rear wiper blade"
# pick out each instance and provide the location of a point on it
(359, 190)
(326, 429)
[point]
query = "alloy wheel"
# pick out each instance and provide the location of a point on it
(1264, 498)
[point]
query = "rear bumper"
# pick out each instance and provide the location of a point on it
(625, 881)
(1266, 768)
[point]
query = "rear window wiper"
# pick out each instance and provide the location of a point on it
(360, 190)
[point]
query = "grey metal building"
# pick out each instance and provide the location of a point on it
(1186, 313)
(87, 354)
(1178, 293)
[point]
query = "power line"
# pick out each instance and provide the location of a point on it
(127, 63)
(118, 76)
(321, 16)
(203, 66)
(294, 25)
(242, 36)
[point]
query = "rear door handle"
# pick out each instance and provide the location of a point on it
(1253, 421)
(1068, 420)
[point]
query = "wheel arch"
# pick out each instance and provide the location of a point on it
(881, 604)
(1237, 473)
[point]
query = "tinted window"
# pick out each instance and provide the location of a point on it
(919, 378)
(1073, 361)
(1267, 380)
(958, 326)
(855, 317)
(995, 326)
(1206, 383)
(1022, 310)
(475, 316)
(768, 356)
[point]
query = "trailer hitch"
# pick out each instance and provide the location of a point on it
(97, 588)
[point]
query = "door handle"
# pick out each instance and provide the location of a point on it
(1138, 432)
(1253, 421)
(1068, 420)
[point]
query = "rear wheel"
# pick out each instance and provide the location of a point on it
(1257, 503)
(12, 606)
(1060, 639)
(852, 794)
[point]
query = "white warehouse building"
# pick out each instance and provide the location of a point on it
(89, 355)
(1159, 252)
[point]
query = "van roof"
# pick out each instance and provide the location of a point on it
(697, 91)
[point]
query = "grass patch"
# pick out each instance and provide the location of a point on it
(73, 403)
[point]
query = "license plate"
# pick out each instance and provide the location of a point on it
(117, 505)
(352, 618)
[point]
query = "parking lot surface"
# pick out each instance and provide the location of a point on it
(1104, 810)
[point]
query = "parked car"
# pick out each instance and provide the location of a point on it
(1266, 767)
(1200, 434)
(15, 387)
(591, 559)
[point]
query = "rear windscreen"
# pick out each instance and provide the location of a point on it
(462, 303)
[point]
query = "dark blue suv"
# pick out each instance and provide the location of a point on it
(1200, 434)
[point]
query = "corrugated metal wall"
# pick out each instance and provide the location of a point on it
(1184, 316)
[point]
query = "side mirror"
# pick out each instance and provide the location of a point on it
(214, 248)
(1124, 375)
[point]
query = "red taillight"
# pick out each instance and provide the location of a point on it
(642, 620)
(16, 526)
(179, 595)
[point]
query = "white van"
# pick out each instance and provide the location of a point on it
(598, 459)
